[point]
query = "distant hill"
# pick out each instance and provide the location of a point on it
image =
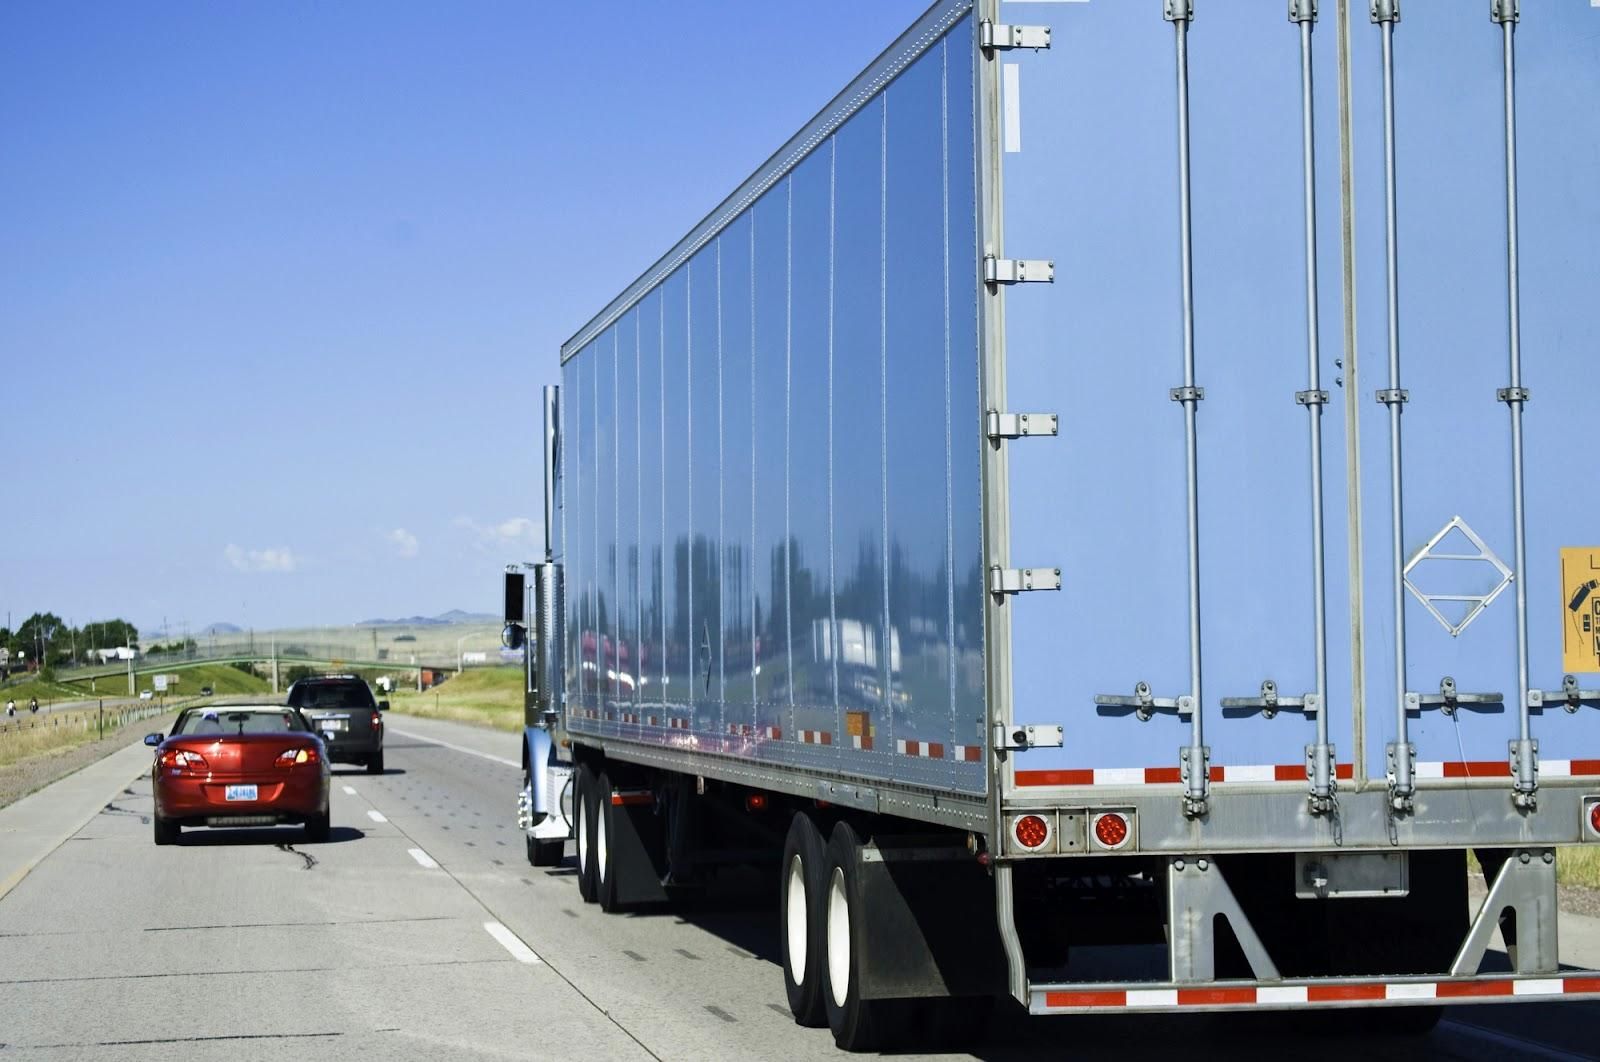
(220, 628)
(444, 619)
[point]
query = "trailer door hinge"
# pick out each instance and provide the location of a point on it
(1017, 270)
(1019, 425)
(1028, 736)
(1504, 10)
(992, 37)
(1022, 580)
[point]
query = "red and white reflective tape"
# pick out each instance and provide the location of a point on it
(1435, 769)
(1290, 772)
(816, 737)
(678, 724)
(969, 753)
(861, 741)
(629, 717)
(929, 750)
(772, 733)
(653, 720)
(1225, 997)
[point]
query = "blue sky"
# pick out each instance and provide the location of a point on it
(280, 283)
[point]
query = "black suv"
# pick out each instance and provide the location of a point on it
(342, 710)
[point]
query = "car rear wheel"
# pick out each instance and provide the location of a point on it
(317, 828)
(375, 763)
(166, 831)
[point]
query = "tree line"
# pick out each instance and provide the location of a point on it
(44, 639)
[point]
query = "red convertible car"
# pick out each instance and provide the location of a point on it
(245, 765)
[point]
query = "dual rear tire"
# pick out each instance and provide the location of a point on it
(595, 826)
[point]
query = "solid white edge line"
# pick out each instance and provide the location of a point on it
(456, 748)
(424, 860)
(512, 943)
(375, 815)
(349, 790)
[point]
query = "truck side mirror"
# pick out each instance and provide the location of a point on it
(516, 595)
(383, 706)
(514, 636)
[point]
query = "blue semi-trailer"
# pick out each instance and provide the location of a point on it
(1096, 480)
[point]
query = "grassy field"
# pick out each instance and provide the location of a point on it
(489, 697)
(26, 737)
(222, 678)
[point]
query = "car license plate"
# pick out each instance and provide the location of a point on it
(333, 724)
(239, 792)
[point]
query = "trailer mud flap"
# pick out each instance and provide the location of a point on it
(929, 926)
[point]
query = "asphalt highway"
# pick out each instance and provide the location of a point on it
(419, 931)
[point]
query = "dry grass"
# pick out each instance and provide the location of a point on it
(490, 697)
(27, 737)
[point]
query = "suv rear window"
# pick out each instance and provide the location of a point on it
(345, 694)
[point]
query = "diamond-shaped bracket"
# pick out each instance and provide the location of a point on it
(1475, 603)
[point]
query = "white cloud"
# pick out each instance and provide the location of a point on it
(280, 559)
(403, 541)
(512, 532)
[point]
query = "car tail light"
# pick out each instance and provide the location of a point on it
(755, 802)
(290, 757)
(184, 760)
(377, 720)
(1111, 830)
(1031, 831)
(1594, 817)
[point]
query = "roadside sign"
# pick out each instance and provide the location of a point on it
(1580, 620)
(161, 683)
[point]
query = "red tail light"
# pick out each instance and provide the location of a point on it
(184, 760)
(377, 720)
(1031, 831)
(755, 802)
(1594, 817)
(1111, 829)
(290, 757)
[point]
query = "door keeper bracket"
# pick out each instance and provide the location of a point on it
(999, 425)
(1311, 398)
(1569, 696)
(1271, 702)
(1448, 699)
(1022, 736)
(1392, 395)
(1187, 394)
(1146, 704)
(1513, 394)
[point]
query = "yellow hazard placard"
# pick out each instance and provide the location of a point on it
(1580, 614)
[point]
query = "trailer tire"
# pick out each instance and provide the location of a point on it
(606, 868)
(857, 1024)
(802, 886)
(584, 809)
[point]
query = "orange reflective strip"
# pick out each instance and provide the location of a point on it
(1458, 989)
(1078, 777)
(1086, 999)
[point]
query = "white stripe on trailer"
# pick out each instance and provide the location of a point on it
(816, 737)
(1541, 986)
(1119, 776)
(1556, 768)
(1251, 773)
(1281, 994)
(1423, 990)
(1429, 769)
(1152, 997)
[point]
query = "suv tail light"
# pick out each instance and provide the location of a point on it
(290, 757)
(184, 760)
(377, 720)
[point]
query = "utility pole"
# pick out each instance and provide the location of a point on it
(274, 663)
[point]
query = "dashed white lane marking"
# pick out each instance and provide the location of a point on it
(455, 748)
(349, 790)
(512, 943)
(375, 815)
(423, 859)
